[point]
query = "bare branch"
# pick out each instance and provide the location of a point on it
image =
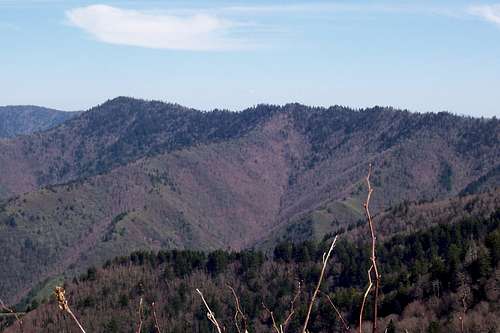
(275, 326)
(326, 256)
(282, 327)
(63, 305)
(238, 312)
(362, 310)
(342, 320)
(210, 314)
(373, 258)
(139, 328)
(155, 318)
(14, 313)
(292, 309)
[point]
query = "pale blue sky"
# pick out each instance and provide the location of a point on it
(419, 55)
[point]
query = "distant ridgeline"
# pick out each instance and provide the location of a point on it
(131, 175)
(27, 119)
(427, 277)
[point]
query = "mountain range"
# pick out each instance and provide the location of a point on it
(26, 119)
(133, 175)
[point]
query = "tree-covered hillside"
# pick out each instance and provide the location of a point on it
(132, 175)
(428, 277)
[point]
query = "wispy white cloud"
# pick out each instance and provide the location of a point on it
(156, 30)
(490, 13)
(190, 28)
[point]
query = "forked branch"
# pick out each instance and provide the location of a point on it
(275, 326)
(238, 312)
(373, 258)
(326, 256)
(292, 309)
(282, 327)
(210, 314)
(365, 296)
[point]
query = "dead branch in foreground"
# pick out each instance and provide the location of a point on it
(292, 309)
(326, 256)
(373, 268)
(13, 313)
(155, 318)
(275, 326)
(282, 327)
(365, 296)
(210, 314)
(238, 312)
(63, 305)
(139, 328)
(345, 325)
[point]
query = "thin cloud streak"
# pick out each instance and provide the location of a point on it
(490, 13)
(197, 32)
(206, 29)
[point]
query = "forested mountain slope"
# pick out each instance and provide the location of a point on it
(428, 276)
(133, 174)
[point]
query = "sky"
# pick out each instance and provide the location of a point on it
(417, 55)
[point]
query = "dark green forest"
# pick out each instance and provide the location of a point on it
(429, 278)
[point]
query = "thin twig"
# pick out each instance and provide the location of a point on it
(326, 256)
(14, 313)
(342, 320)
(139, 327)
(210, 314)
(373, 258)
(63, 305)
(282, 327)
(238, 312)
(155, 318)
(275, 326)
(292, 309)
(362, 310)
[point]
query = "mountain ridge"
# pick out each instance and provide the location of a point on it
(132, 174)
(27, 119)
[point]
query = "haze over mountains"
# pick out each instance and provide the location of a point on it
(132, 174)
(26, 119)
